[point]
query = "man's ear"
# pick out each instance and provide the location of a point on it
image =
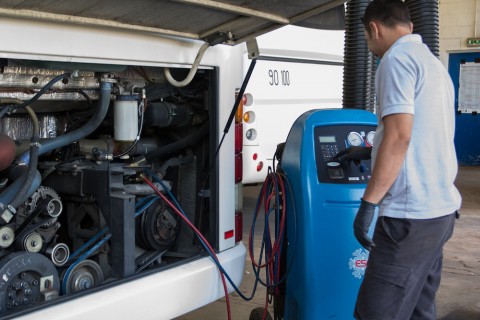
(374, 29)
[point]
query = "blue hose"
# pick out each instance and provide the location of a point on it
(88, 128)
(7, 196)
(219, 266)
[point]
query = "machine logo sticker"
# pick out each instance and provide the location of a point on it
(358, 263)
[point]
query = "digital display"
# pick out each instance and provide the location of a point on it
(326, 139)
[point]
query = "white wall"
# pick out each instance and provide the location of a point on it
(459, 20)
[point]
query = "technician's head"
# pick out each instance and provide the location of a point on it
(385, 21)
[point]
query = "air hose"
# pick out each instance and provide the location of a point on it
(357, 67)
(426, 22)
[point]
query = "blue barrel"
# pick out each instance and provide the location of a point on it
(325, 264)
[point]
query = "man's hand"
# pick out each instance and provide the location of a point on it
(362, 223)
(355, 154)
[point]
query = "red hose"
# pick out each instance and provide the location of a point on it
(199, 234)
(276, 247)
(270, 201)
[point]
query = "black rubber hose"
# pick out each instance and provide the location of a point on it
(357, 69)
(426, 22)
(180, 144)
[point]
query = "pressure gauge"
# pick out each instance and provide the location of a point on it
(354, 139)
(370, 137)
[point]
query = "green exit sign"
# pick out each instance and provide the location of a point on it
(473, 42)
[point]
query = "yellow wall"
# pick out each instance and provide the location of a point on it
(457, 23)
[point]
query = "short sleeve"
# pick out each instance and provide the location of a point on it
(397, 85)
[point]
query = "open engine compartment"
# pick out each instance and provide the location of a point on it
(75, 211)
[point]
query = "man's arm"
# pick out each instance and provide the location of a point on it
(390, 156)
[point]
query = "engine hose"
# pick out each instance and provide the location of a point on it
(424, 15)
(180, 144)
(20, 191)
(191, 73)
(88, 128)
(357, 69)
(173, 162)
(21, 196)
(18, 176)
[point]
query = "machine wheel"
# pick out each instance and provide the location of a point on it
(257, 314)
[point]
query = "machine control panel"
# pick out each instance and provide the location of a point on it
(329, 140)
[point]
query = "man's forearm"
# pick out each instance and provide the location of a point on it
(388, 163)
(390, 157)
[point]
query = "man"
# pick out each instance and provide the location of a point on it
(414, 167)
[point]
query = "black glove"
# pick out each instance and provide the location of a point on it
(362, 223)
(355, 153)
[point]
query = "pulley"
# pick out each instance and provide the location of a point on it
(58, 253)
(25, 279)
(157, 228)
(7, 235)
(85, 275)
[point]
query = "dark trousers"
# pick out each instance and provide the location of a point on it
(404, 269)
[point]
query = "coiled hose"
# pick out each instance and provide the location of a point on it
(357, 69)
(425, 18)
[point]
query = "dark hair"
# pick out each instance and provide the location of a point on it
(388, 12)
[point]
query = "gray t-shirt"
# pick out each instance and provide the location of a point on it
(410, 79)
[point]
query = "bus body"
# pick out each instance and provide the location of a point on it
(105, 162)
(299, 69)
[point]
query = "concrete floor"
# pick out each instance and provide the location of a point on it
(459, 295)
